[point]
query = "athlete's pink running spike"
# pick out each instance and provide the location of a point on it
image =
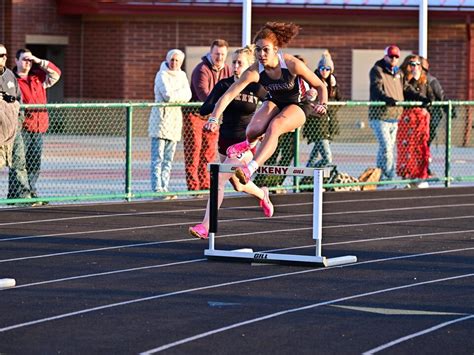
(236, 150)
(266, 204)
(199, 231)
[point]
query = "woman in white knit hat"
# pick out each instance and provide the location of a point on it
(165, 124)
(320, 129)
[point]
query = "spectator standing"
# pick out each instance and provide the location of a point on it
(321, 129)
(285, 109)
(199, 145)
(34, 76)
(235, 119)
(414, 126)
(438, 113)
(386, 84)
(10, 97)
(14, 152)
(166, 123)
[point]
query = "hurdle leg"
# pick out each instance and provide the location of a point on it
(318, 209)
(213, 204)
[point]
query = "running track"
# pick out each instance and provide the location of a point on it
(125, 278)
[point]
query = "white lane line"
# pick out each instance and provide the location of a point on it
(227, 220)
(113, 215)
(224, 284)
(106, 273)
(417, 334)
(193, 222)
(134, 245)
(398, 209)
(145, 227)
(401, 198)
(298, 309)
(434, 234)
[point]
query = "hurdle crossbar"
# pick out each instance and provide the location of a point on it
(247, 254)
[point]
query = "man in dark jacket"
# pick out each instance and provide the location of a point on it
(386, 84)
(200, 147)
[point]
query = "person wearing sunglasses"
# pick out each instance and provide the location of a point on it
(414, 126)
(386, 85)
(10, 96)
(320, 129)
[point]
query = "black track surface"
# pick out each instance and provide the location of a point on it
(126, 278)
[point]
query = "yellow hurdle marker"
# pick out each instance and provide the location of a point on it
(247, 254)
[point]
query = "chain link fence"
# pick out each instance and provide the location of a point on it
(103, 151)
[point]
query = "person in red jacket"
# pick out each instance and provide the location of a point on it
(34, 76)
(200, 147)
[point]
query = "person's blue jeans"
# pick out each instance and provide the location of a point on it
(18, 185)
(33, 152)
(386, 133)
(321, 147)
(162, 154)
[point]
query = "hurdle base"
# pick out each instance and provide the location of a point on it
(248, 255)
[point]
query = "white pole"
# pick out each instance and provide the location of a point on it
(423, 29)
(318, 209)
(246, 21)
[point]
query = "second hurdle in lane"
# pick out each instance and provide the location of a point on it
(247, 254)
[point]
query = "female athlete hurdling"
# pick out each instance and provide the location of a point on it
(235, 119)
(285, 107)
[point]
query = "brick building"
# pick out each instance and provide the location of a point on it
(111, 50)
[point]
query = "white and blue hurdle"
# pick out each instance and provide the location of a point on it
(247, 254)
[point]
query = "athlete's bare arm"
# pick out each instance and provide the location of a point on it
(249, 76)
(297, 67)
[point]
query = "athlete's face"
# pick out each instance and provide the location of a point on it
(239, 64)
(266, 51)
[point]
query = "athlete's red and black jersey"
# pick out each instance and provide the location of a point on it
(239, 112)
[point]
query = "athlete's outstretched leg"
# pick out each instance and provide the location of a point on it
(256, 128)
(290, 118)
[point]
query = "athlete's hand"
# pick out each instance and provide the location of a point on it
(320, 109)
(212, 125)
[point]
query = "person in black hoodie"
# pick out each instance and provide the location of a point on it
(438, 113)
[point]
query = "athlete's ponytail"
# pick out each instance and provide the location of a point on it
(280, 33)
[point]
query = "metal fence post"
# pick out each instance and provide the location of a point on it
(447, 164)
(296, 159)
(128, 153)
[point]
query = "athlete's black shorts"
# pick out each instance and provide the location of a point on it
(304, 105)
(225, 143)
